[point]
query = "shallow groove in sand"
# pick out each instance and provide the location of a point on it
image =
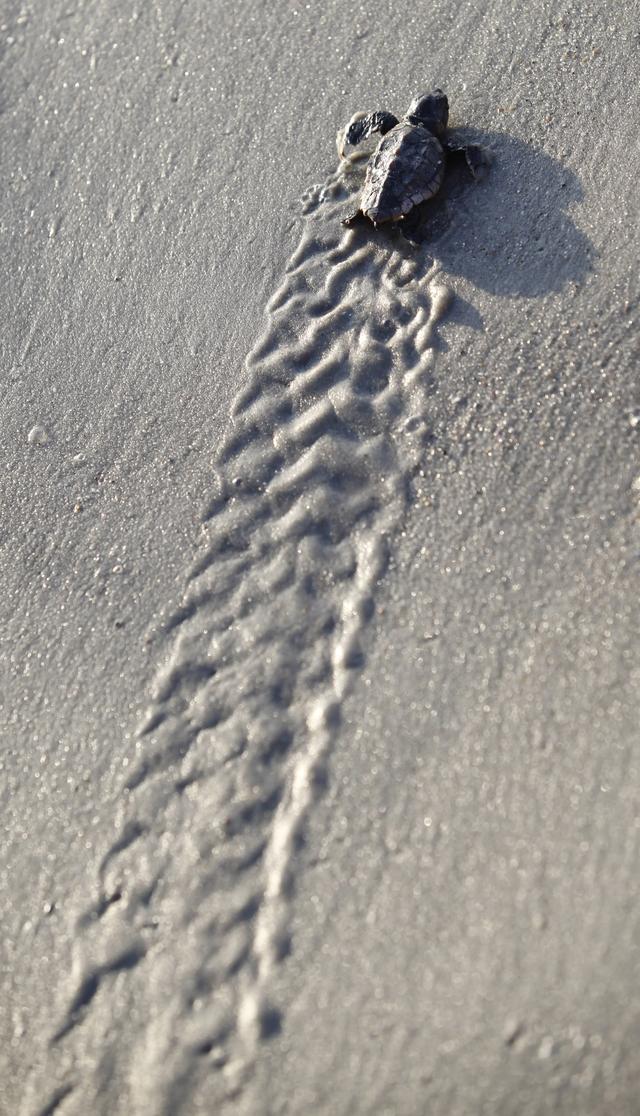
(193, 901)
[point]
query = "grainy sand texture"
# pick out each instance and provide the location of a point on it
(319, 670)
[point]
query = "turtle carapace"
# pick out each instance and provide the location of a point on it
(408, 164)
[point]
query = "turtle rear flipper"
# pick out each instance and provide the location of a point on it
(411, 226)
(353, 218)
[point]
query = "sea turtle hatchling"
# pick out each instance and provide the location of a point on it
(408, 164)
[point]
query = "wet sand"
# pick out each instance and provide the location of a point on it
(319, 772)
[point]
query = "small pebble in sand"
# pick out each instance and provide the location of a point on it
(512, 1031)
(38, 436)
(546, 1048)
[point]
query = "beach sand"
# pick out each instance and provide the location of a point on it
(319, 612)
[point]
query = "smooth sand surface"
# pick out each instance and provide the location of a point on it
(319, 773)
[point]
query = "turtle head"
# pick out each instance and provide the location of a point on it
(431, 110)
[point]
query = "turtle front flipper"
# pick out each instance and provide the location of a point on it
(362, 125)
(365, 126)
(476, 157)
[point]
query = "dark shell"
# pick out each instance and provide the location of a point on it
(406, 169)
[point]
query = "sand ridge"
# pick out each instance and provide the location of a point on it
(326, 434)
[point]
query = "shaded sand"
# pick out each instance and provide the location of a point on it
(348, 824)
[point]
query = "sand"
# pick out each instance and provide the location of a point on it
(319, 607)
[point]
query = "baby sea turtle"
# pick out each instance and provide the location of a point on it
(408, 164)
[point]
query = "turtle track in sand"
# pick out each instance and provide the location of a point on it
(193, 900)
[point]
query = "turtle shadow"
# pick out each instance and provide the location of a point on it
(511, 233)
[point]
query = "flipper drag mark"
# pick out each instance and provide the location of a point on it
(171, 995)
